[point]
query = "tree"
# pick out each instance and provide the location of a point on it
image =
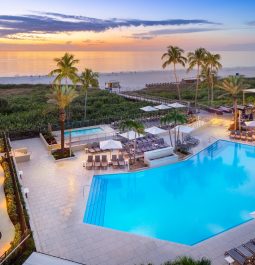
(188, 261)
(65, 69)
(88, 78)
(136, 126)
(196, 58)
(62, 96)
(174, 55)
(233, 85)
(174, 117)
(212, 63)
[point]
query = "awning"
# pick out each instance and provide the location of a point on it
(110, 145)
(176, 105)
(131, 135)
(155, 130)
(162, 107)
(184, 129)
(250, 123)
(148, 109)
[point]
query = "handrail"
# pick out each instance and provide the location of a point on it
(2, 262)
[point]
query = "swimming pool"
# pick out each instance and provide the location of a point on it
(186, 202)
(83, 131)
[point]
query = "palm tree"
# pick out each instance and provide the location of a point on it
(174, 55)
(88, 78)
(188, 261)
(233, 85)
(206, 79)
(62, 96)
(174, 117)
(65, 69)
(136, 126)
(196, 58)
(212, 62)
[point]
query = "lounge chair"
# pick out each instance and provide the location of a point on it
(97, 163)
(236, 256)
(232, 135)
(244, 252)
(243, 136)
(250, 246)
(249, 137)
(104, 162)
(121, 161)
(238, 135)
(114, 161)
(89, 163)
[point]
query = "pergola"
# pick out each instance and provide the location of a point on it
(245, 91)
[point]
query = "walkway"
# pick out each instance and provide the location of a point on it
(6, 226)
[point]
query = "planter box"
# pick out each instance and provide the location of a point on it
(63, 159)
(49, 147)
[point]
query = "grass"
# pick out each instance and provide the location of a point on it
(188, 94)
(25, 107)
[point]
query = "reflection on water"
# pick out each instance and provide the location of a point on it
(40, 63)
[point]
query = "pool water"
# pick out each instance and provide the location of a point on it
(82, 132)
(186, 202)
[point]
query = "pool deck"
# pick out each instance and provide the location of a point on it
(57, 199)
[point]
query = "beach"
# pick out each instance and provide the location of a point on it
(131, 80)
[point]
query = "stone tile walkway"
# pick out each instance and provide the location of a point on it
(57, 199)
(6, 226)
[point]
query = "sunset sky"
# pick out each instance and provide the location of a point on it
(126, 25)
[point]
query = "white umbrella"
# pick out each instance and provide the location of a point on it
(184, 129)
(162, 107)
(155, 130)
(250, 123)
(148, 109)
(110, 145)
(176, 105)
(131, 135)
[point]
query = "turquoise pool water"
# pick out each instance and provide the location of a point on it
(82, 132)
(186, 202)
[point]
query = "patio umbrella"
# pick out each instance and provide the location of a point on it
(184, 129)
(250, 123)
(148, 109)
(131, 135)
(176, 105)
(110, 145)
(162, 107)
(155, 130)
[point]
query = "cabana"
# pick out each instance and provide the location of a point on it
(148, 109)
(250, 124)
(162, 107)
(184, 129)
(110, 145)
(176, 105)
(155, 130)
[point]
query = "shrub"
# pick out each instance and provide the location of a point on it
(58, 154)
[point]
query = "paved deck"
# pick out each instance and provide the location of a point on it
(57, 201)
(6, 226)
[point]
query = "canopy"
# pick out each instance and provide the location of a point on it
(249, 90)
(110, 145)
(148, 108)
(162, 107)
(250, 123)
(131, 135)
(155, 130)
(176, 105)
(184, 129)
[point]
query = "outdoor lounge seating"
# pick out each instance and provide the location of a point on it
(121, 161)
(243, 254)
(97, 162)
(90, 162)
(191, 140)
(104, 162)
(114, 161)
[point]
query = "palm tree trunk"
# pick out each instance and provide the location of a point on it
(177, 83)
(212, 89)
(85, 105)
(62, 127)
(235, 113)
(198, 71)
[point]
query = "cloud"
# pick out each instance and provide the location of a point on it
(154, 33)
(55, 23)
(251, 23)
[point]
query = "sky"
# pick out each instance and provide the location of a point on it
(127, 25)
